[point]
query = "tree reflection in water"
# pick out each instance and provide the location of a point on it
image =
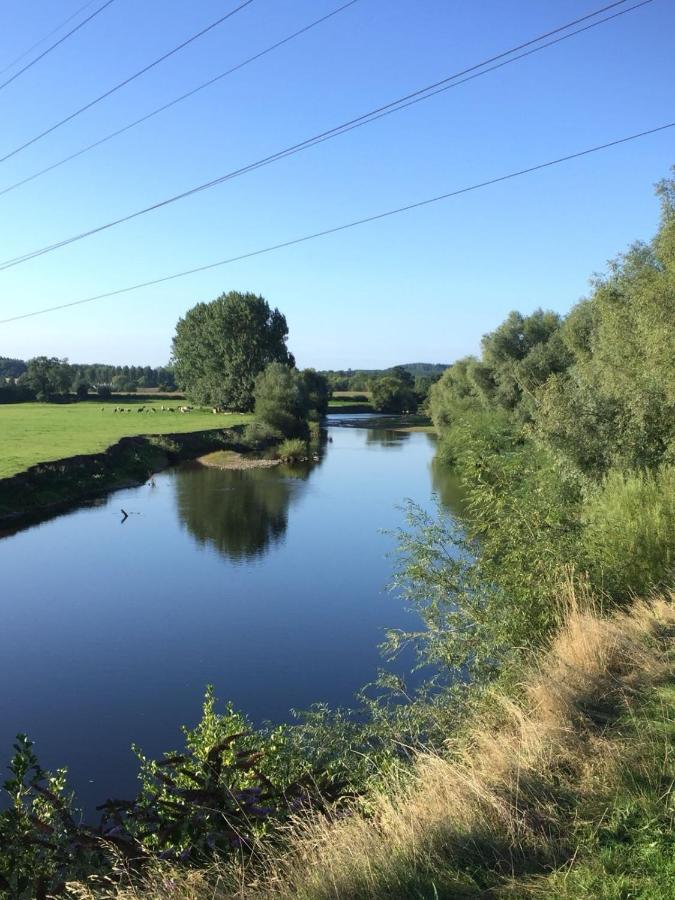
(385, 437)
(448, 487)
(240, 513)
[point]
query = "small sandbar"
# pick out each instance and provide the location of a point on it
(230, 459)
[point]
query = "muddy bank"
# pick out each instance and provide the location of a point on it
(49, 488)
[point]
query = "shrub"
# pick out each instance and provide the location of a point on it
(629, 531)
(292, 450)
(260, 434)
(281, 399)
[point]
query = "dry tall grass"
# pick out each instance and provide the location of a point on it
(497, 803)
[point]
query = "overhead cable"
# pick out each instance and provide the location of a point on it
(56, 44)
(126, 81)
(404, 102)
(344, 227)
(176, 100)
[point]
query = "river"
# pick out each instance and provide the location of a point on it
(268, 583)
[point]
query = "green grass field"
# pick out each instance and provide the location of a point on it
(349, 399)
(38, 432)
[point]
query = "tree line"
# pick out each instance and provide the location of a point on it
(361, 379)
(562, 431)
(51, 379)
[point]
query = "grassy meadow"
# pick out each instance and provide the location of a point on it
(39, 432)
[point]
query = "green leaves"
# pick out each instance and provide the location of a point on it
(220, 347)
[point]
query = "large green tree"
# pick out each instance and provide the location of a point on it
(220, 348)
(47, 376)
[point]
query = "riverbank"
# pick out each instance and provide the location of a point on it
(49, 488)
(33, 433)
(559, 787)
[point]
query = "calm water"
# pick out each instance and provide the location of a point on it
(268, 583)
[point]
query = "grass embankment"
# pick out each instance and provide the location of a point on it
(32, 433)
(559, 788)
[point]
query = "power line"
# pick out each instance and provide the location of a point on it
(126, 81)
(179, 99)
(395, 106)
(56, 44)
(32, 47)
(353, 224)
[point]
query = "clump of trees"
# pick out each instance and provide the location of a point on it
(52, 379)
(11, 369)
(563, 432)
(360, 379)
(598, 386)
(286, 399)
(398, 391)
(47, 377)
(221, 347)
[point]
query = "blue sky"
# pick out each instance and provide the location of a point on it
(421, 286)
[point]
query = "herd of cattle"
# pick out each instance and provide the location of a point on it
(153, 409)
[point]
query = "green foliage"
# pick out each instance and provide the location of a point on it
(492, 585)
(11, 368)
(258, 435)
(292, 450)
(81, 389)
(629, 532)
(518, 357)
(281, 400)
(221, 347)
(615, 405)
(393, 393)
(38, 849)
(216, 795)
(317, 390)
(624, 832)
(359, 379)
(48, 377)
(229, 786)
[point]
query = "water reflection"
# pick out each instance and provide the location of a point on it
(239, 513)
(287, 607)
(447, 487)
(385, 437)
